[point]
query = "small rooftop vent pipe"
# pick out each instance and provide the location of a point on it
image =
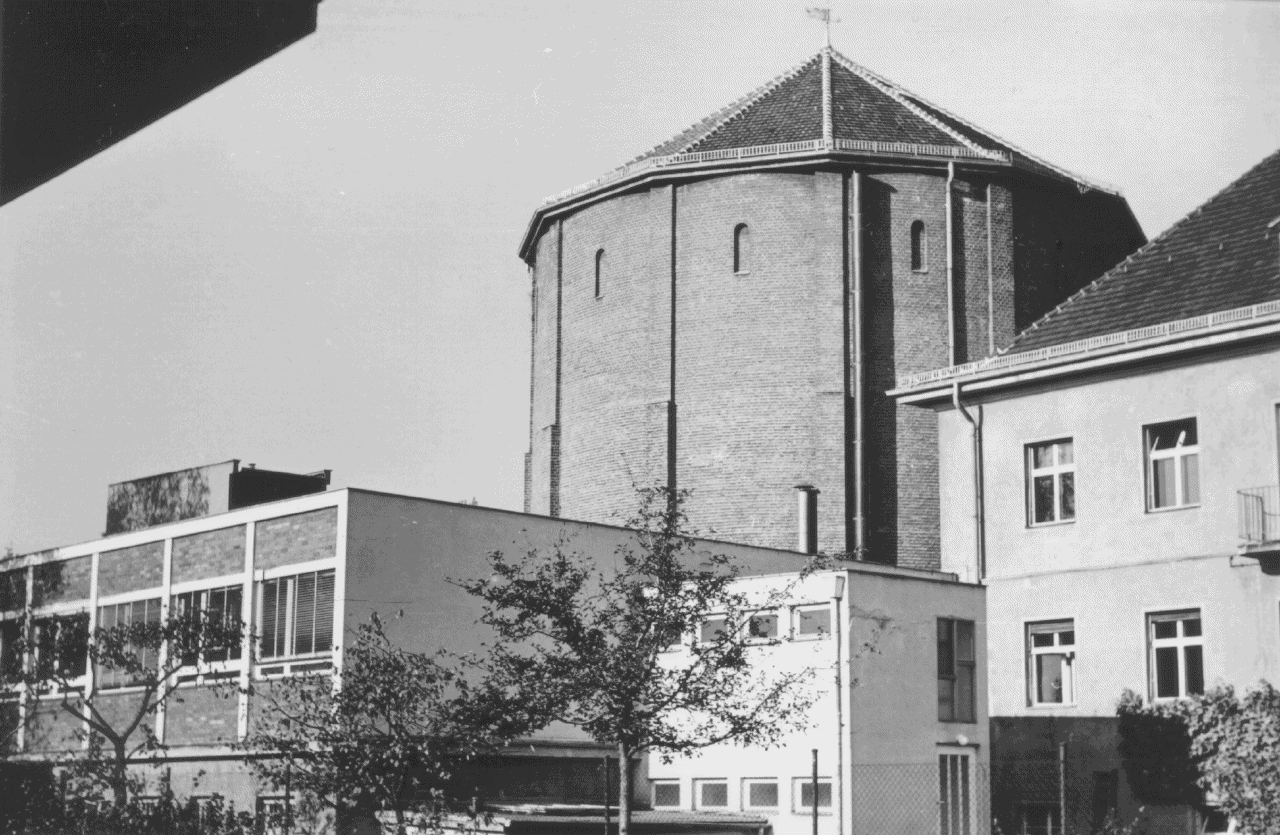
(807, 517)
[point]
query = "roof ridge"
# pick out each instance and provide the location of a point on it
(916, 97)
(896, 93)
(724, 115)
(1150, 245)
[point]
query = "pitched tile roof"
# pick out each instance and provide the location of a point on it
(1224, 255)
(865, 107)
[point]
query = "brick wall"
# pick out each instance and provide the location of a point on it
(62, 581)
(210, 554)
(52, 729)
(201, 716)
(543, 399)
(759, 357)
(615, 372)
(127, 569)
(1003, 291)
(297, 538)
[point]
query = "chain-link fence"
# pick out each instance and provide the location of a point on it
(949, 797)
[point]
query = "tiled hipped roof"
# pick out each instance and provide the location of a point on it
(1222, 256)
(864, 108)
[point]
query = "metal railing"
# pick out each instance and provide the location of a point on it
(1258, 512)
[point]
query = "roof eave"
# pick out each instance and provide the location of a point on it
(939, 391)
(656, 173)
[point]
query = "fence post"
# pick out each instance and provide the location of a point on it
(1062, 788)
(814, 793)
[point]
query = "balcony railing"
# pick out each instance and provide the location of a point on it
(1258, 510)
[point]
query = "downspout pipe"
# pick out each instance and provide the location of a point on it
(951, 283)
(859, 386)
(837, 624)
(979, 510)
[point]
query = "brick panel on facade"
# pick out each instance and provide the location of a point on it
(61, 581)
(130, 569)
(542, 407)
(201, 716)
(209, 554)
(52, 729)
(298, 538)
(118, 710)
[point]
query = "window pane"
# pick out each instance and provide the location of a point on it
(965, 694)
(1042, 639)
(711, 630)
(814, 621)
(1167, 672)
(1166, 628)
(764, 626)
(946, 700)
(1191, 479)
(1042, 456)
(762, 794)
(1067, 496)
(1191, 627)
(304, 614)
(1049, 669)
(806, 794)
(324, 611)
(946, 654)
(10, 659)
(1066, 452)
(1067, 638)
(666, 794)
(964, 640)
(269, 645)
(73, 645)
(714, 794)
(1042, 490)
(1194, 658)
(1172, 434)
(1162, 485)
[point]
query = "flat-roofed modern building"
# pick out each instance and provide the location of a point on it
(1113, 481)
(305, 571)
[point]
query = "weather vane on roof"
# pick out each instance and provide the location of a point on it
(825, 16)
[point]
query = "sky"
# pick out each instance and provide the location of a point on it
(314, 266)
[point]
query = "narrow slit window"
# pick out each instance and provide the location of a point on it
(741, 248)
(919, 247)
(599, 269)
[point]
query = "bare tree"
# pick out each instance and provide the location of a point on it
(588, 643)
(150, 658)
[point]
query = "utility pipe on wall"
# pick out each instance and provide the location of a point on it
(859, 399)
(951, 286)
(979, 512)
(837, 627)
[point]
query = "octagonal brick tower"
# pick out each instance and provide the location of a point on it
(725, 312)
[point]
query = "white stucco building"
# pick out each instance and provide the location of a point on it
(899, 724)
(1112, 479)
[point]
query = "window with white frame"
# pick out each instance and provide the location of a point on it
(296, 615)
(711, 794)
(666, 794)
(957, 668)
(802, 795)
(122, 616)
(220, 605)
(275, 814)
(763, 626)
(1051, 651)
(1176, 643)
(811, 621)
(1173, 464)
(1051, 482)
(760, 793)
(712, 629)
